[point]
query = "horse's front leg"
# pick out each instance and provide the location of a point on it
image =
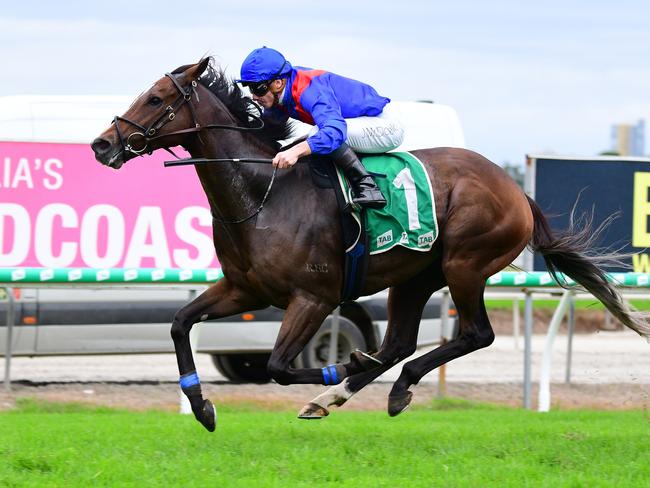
(220, 300)
(303, 317)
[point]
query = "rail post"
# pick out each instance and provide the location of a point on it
(569, 352)
(9, 336)
(445, 334)
(515, 322)
(334, 337)
(544, 401)
(528, 339)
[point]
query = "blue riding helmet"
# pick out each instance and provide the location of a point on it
(264, 64)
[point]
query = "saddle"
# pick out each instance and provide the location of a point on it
(408, 219)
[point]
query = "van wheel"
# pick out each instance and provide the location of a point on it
(243, 368)
(316, 352)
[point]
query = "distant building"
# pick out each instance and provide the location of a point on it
(628, 139)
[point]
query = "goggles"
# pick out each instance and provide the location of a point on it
(261, 88)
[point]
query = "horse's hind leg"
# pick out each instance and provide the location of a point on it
(475, 332)
(488, 224)
(405, 305)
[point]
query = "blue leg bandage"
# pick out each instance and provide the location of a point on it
(190, 379)
(330, 377)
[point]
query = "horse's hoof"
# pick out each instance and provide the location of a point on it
(398, 403)
(313, 411)
(208, 416)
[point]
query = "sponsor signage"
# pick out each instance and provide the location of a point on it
(59, 208)
(385, 239)
(607, 186)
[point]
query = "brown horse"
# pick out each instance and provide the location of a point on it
(268, 242)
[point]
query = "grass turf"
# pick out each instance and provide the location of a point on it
(451, 443)
(591, 304)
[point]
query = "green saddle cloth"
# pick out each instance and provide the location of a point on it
(409, 217)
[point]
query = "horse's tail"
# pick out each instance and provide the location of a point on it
(573, 254)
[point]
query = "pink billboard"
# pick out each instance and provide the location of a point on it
(61, 208)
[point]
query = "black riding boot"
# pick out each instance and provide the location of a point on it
(366, 192)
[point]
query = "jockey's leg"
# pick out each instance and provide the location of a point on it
(366, 192)
(367, 135)
(375, 135)
(370, 135)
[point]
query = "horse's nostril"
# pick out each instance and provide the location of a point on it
(100, 146)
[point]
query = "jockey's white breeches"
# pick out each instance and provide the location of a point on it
(373, 134)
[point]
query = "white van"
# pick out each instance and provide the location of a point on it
(105, 321)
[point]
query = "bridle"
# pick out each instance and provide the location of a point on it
(139, 142)
(152, 133)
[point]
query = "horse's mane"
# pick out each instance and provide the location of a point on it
(241, 106)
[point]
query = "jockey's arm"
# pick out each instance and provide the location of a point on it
(288, 158)
(332, 131)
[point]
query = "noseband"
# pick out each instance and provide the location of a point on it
(139, 142)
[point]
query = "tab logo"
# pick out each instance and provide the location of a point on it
(545, 279)
(212, 275)
(495, 279)
(130, 274)
(385, 238)
(74, 275)
(47, 274)
(18, 274)
(425, 239)
(520, 278)
(103, 274)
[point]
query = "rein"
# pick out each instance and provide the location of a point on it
(259, 209)
(189, 161)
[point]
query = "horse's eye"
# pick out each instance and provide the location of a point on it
(155, 101)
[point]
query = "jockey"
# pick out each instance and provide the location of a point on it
(340, 108)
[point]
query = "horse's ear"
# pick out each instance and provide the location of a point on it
(196, 70)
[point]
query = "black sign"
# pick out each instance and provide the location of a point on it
(602, 186)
